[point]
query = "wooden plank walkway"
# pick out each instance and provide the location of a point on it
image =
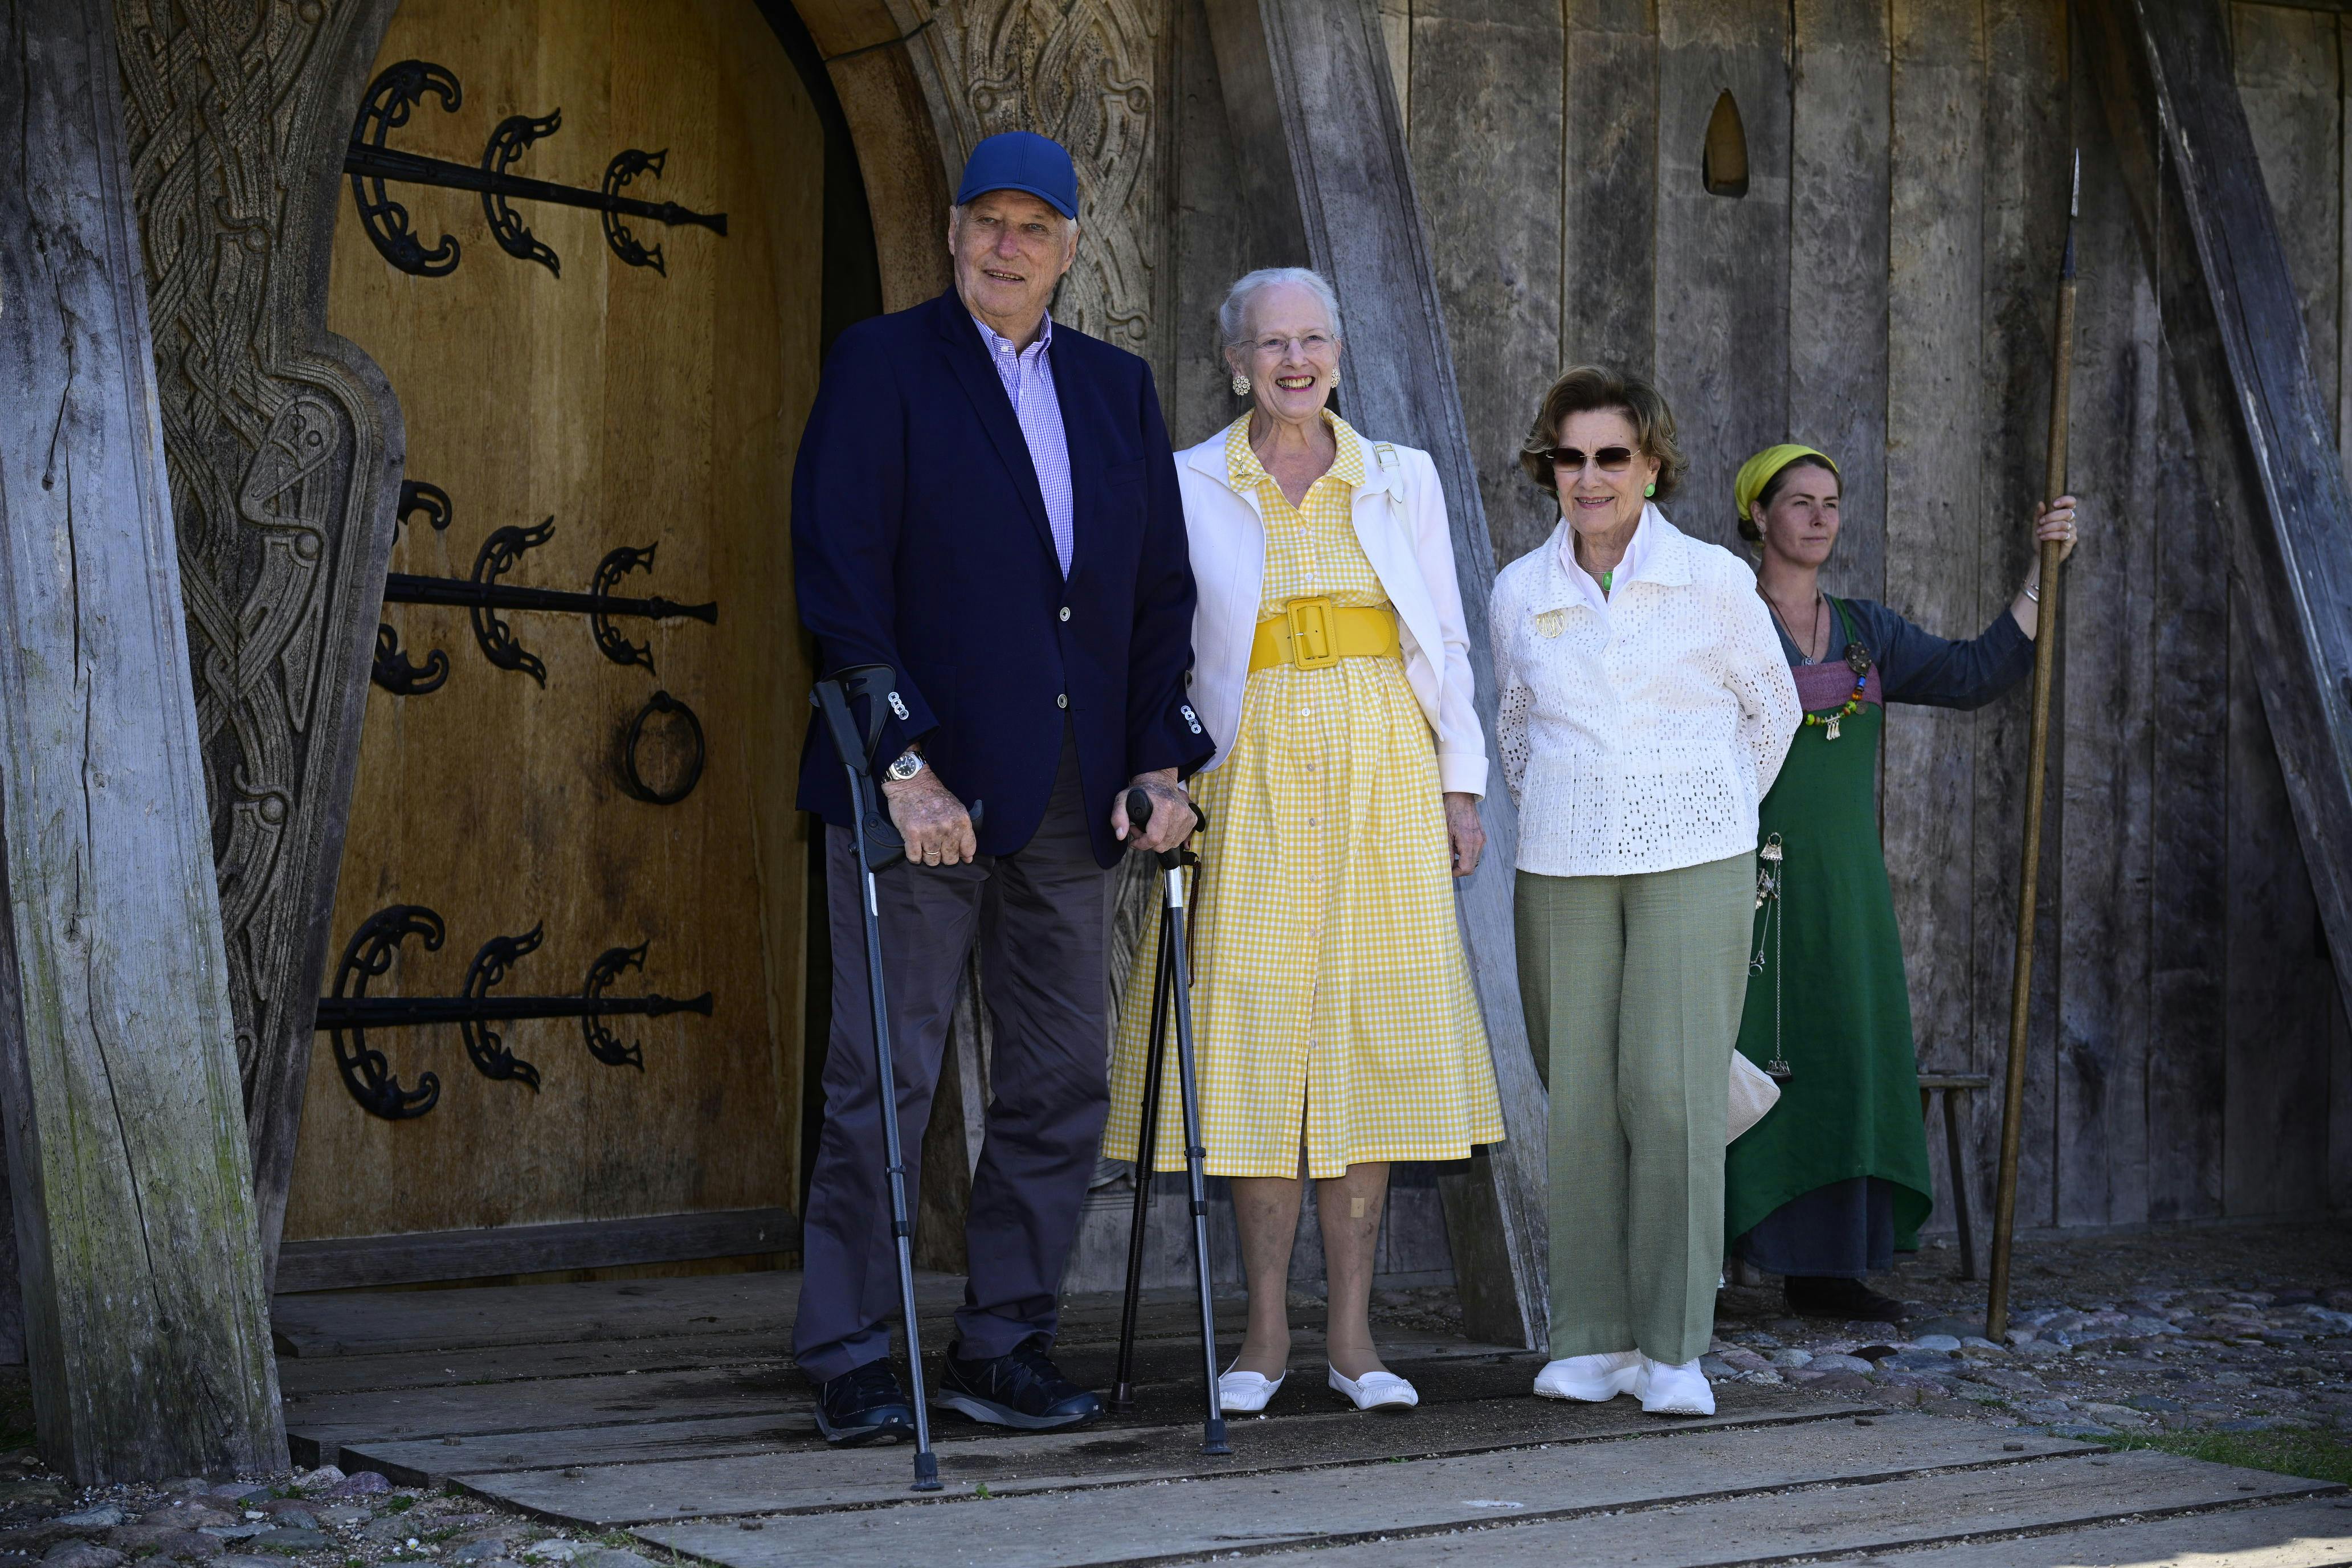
(671, 1407)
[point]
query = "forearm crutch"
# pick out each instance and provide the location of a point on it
(879, 847)
(1172, 995)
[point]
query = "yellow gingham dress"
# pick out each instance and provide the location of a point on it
(1332, 1005)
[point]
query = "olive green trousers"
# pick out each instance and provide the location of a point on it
(1632, 987)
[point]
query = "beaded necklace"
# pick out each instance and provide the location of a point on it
(1857, 658)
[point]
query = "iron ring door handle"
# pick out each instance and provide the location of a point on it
(635, 781)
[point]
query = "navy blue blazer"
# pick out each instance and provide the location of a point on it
(919, 540)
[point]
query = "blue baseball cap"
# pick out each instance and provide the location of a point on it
(1022, 161)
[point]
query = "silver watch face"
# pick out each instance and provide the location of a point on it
(907, 766)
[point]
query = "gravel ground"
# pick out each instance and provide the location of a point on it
(318, 1519)
(2222, 1328)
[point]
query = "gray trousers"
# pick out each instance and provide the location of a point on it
(1041, 920)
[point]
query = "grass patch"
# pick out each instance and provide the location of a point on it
(2288, 1451)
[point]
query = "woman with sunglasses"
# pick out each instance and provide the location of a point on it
(1645, 711)
(1830, 1184)
(1337, 1027)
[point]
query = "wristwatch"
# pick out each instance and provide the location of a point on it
(908, 763)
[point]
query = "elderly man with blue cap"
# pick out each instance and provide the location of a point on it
(985, 501)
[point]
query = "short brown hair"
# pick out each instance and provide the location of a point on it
(1584, 388)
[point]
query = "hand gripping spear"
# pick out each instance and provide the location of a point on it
(2037, 759)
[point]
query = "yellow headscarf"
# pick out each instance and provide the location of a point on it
(1758, 471)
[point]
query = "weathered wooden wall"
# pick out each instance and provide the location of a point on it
(1884, 290)
(2280, 986)
(633, 408)
(144, 1310)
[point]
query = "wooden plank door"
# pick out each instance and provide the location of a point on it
(631, 406)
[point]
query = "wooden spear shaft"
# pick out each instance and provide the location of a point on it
(2037, 760)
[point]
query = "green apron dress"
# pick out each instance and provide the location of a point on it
(1829, 997)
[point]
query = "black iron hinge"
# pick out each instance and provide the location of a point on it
(392, 98)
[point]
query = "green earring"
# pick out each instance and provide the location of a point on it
(1649, 489)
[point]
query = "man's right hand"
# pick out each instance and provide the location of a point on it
(933, 822)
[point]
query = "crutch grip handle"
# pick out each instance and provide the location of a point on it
(884, 847)
(1138, 815)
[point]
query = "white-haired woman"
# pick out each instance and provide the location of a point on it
(1335, 1024)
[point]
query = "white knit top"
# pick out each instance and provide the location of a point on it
(1638, 737)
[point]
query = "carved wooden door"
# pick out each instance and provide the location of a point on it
(572, 392)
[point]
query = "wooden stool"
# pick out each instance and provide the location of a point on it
(1955, 1086)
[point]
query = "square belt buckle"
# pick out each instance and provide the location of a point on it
(1313, 645)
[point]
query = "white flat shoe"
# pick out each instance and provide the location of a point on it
(1245, 1393)
(1595, 1379)
(1376, 1390)
(1674, 1390)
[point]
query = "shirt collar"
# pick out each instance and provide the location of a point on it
(1638, 551)
(1243, 469)
(993, 339)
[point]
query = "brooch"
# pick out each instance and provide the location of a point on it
(1550, 623)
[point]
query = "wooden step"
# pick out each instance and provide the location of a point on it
(2311, 1533)
(381, 1322)
(2055, 1499)
(321, 1426)
(603, 1489)
(306, 1377)
(309, 1376)
(318, 1427)
(1563, 1485)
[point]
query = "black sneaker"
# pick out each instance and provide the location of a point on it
(1023, 1389)
(864, 1404)
(1849, 1300)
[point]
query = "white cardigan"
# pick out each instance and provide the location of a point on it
(1400, 516)
(1642, 739)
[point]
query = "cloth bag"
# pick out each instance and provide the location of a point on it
(1753, 1092)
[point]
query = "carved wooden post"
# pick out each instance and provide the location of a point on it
(2264, 436)
(1315, 118)
(145, 1321)
(284, 447)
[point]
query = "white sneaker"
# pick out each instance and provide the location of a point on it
(1595, 1379)
(1376, 1390)
(1674, 1390)
(1245, 1393)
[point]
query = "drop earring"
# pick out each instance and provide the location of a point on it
(1335, 375)
(1241, 384)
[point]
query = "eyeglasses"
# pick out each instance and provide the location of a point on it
(1313, 344)
(1608, 459)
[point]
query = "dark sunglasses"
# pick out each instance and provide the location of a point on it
(1609, 459)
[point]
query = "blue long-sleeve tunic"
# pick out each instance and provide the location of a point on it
(1917, 665)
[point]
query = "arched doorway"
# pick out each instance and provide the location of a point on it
(569, 402)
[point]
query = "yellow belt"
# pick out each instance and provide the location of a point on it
(1314, 633)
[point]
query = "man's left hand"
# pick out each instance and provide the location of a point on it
(1172, 813)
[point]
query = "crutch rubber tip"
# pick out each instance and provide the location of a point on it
(926, 1471)
(1213, 1438)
